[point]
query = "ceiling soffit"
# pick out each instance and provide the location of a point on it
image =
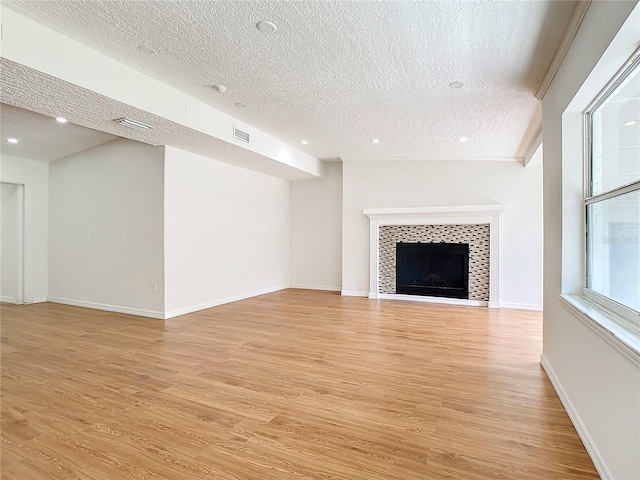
(30, 89)
(341, 73)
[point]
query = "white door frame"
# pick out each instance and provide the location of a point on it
(21, 292)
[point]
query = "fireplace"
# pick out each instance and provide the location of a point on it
(475, 225)
(433, 269)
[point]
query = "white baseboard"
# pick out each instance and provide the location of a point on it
(15, 300)
(221, 301)
(314, 287)
(589, 445)
(349, 293)
(108, 308)
(444, 300)
(522, 306)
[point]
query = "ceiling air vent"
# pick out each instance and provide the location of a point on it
(241, 136)
(127, 122)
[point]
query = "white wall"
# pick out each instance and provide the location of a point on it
(409, 183)
(106, 228)
(35, 177)
(599, 385)
(226, 232)
(316, 231)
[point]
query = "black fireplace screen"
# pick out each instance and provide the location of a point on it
(433, 269)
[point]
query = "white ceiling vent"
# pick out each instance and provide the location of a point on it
(241, 136)
(127, 122)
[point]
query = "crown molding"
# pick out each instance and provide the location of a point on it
(574, 24)
(427, 158)
(533, 146)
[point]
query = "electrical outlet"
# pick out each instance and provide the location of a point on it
(154, 286)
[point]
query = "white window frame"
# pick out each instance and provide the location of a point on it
(627, 317)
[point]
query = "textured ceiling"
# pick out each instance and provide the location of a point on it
(42, 138)
(341, 73)
(51, 96)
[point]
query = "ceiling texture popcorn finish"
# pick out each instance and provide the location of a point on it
(341, 73)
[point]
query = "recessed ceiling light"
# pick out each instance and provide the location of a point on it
(304, 142)
(463, 139)
(61, 120)
(375, 140)
(219, 88)
(456, 84)
(240, 104)
(146, 49)
(12, 140)
(266, 27)
(628, 124)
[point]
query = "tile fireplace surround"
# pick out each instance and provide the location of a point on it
(473, 224)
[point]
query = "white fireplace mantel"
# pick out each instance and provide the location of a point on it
(445, 215)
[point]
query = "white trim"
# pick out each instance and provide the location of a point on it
(424, 299)
(533, 146)
(350, 293)
(374, 256)
(22, 283)
(429, 158)
(625, 315)
(423, 213)
(39, 299)
(588, 442)
(616, 81)
(616, 192)
(600, 322)
(23, 248)
(494, 266)
(570, 33)
(106, 307)
(441, 215)
(314, 287)
(522, 306)
(221, 301)
(5, 299)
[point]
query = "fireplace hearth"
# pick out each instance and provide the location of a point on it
(433, 269)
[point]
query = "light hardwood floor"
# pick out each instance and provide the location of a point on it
(295, 384)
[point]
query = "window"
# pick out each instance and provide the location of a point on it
(612, 200)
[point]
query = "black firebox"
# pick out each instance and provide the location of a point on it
(433, 269)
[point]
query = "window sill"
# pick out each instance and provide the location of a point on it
(602, 322)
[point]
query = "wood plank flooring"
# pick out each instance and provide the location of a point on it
(291, 385)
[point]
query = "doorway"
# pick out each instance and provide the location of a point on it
(12, 243)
